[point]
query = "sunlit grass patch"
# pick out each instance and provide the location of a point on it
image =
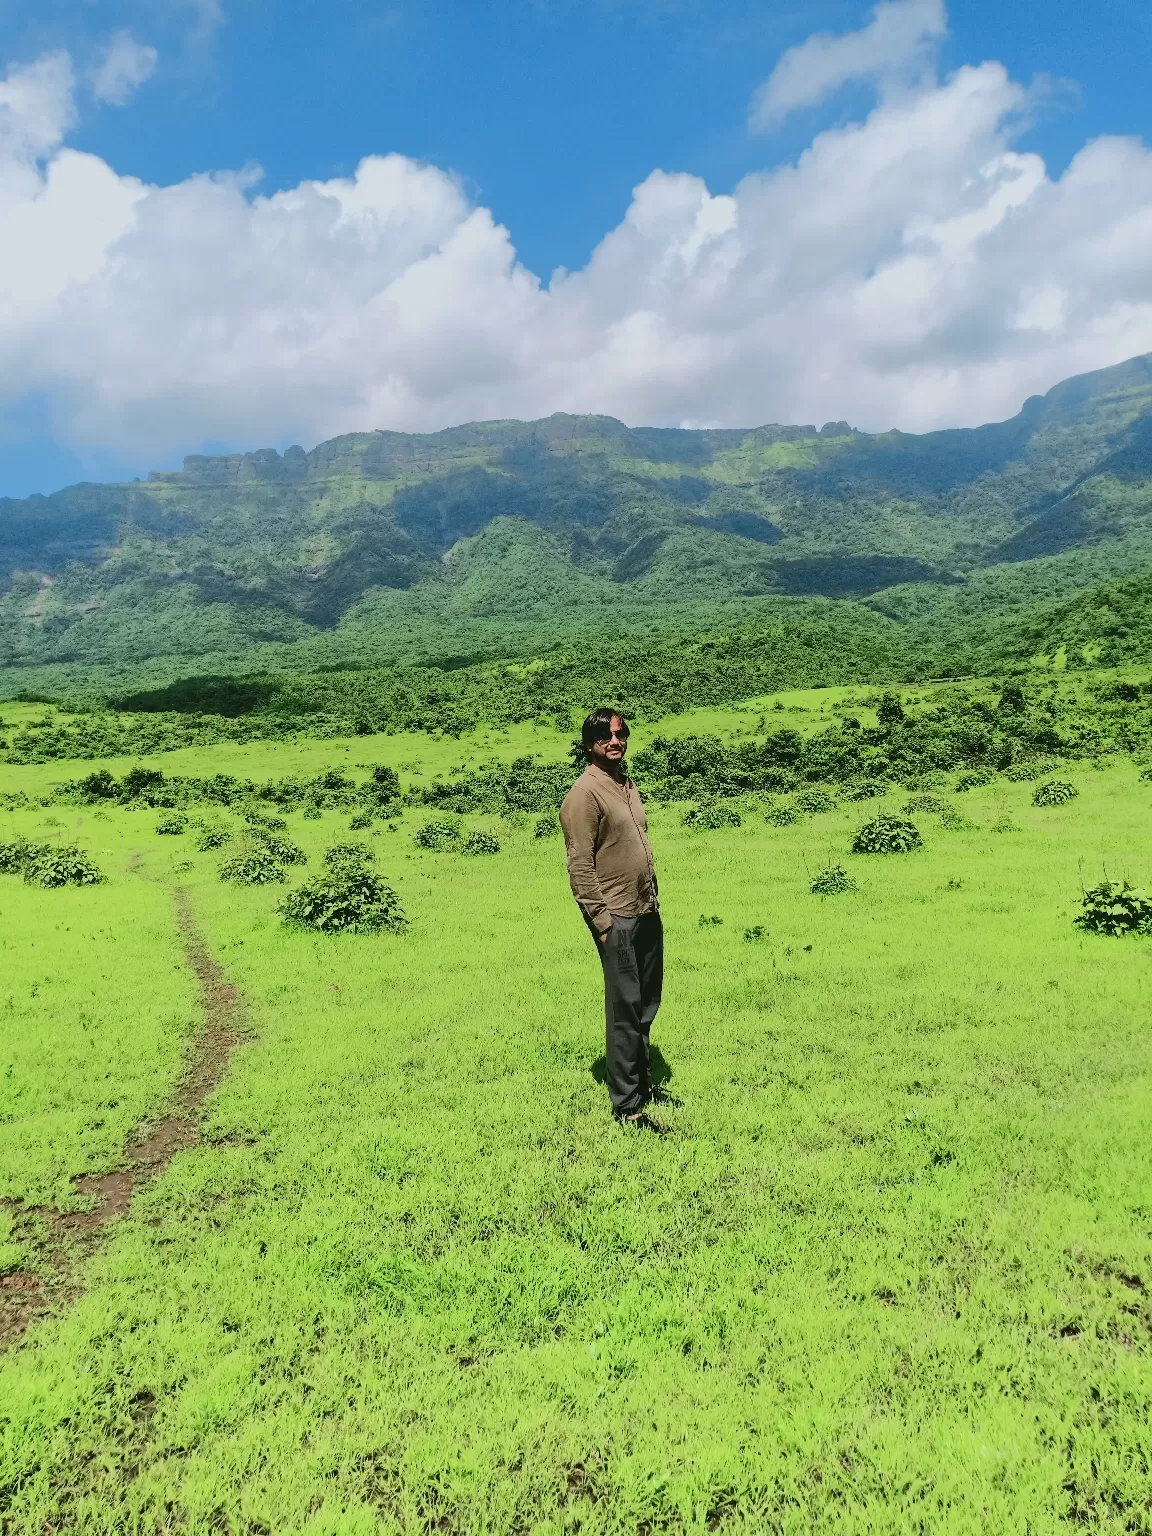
(888, 1270)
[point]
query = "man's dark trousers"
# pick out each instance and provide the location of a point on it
(633, 959)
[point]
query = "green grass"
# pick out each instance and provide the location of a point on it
(884, 1274)
(96, 1003)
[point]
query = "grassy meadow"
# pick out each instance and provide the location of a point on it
(888, 1270)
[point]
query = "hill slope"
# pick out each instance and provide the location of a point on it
(373, 536)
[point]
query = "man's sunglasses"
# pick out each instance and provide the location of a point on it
(614, 735)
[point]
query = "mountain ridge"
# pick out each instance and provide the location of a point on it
(372, 532)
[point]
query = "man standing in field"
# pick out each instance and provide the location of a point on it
(614, 883)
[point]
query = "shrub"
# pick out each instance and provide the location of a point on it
(347, 897)
(546, 826)
(1004, 824)
(260, 821)
(311, 813)
(1114, 907)
(50, 866)
(437, 835)
(754, 935)
(815, 800)
(781, 815)
(213, 837)
(887, 834)
(832, 881)
(282, 849)
(262, 861)
(1054, 792)
(346, 855)
(98, 786)
(865, 789)
(932, 778)
(481, 842)
(954, 820)
(975, 778)
(930, 803)
(382, 788)
(172, 824)
(360, 822)
(889, 711)
(15, 855)
(1024, 773)
(711, 815)
(710, 922)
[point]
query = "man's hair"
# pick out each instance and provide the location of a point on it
(598, 727)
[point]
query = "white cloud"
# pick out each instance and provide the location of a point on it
(913, 269)
(125, 65)
(36, 111)
(898, 44)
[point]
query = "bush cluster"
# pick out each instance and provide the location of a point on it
(1054, 792)
(263, 859)
(865, 789)
(815, 800)
(976, 778)
(925, 802)
(781, 815)
(437, 835)
(711, 815)
(1114, 908)
(172, 824)
(954, 820)
(49, 864)
(887, 834)
(348, 896)
(208, 838)
(832, 881)
(480, 843)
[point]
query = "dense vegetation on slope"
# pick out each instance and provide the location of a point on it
(499, 538)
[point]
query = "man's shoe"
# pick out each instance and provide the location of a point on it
(642, 1122)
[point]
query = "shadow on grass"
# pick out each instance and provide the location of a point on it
(659, 1069)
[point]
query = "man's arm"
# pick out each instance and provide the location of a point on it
(580, 818)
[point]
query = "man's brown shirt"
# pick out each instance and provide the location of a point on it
(609, 859)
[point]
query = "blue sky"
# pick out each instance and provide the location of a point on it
(547, 113)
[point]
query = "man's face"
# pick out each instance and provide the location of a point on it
(610, 750)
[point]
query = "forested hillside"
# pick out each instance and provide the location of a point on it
(500, 538)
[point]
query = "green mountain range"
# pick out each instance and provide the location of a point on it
(499, 536)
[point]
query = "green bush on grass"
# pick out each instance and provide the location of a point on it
(781, 815)
(711, 815)
(347, 897)
(975, 778)
(1054, 792)
(1114, 908)
(438, 835)
(212, 837)
(480, 842)
(832, 881)
(51, 866)
(887, 834)
(815, 801)
(925, 802)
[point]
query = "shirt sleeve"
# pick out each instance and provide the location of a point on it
(580, 818)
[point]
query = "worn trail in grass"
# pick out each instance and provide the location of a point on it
(62, 1240)
(888, 1271)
